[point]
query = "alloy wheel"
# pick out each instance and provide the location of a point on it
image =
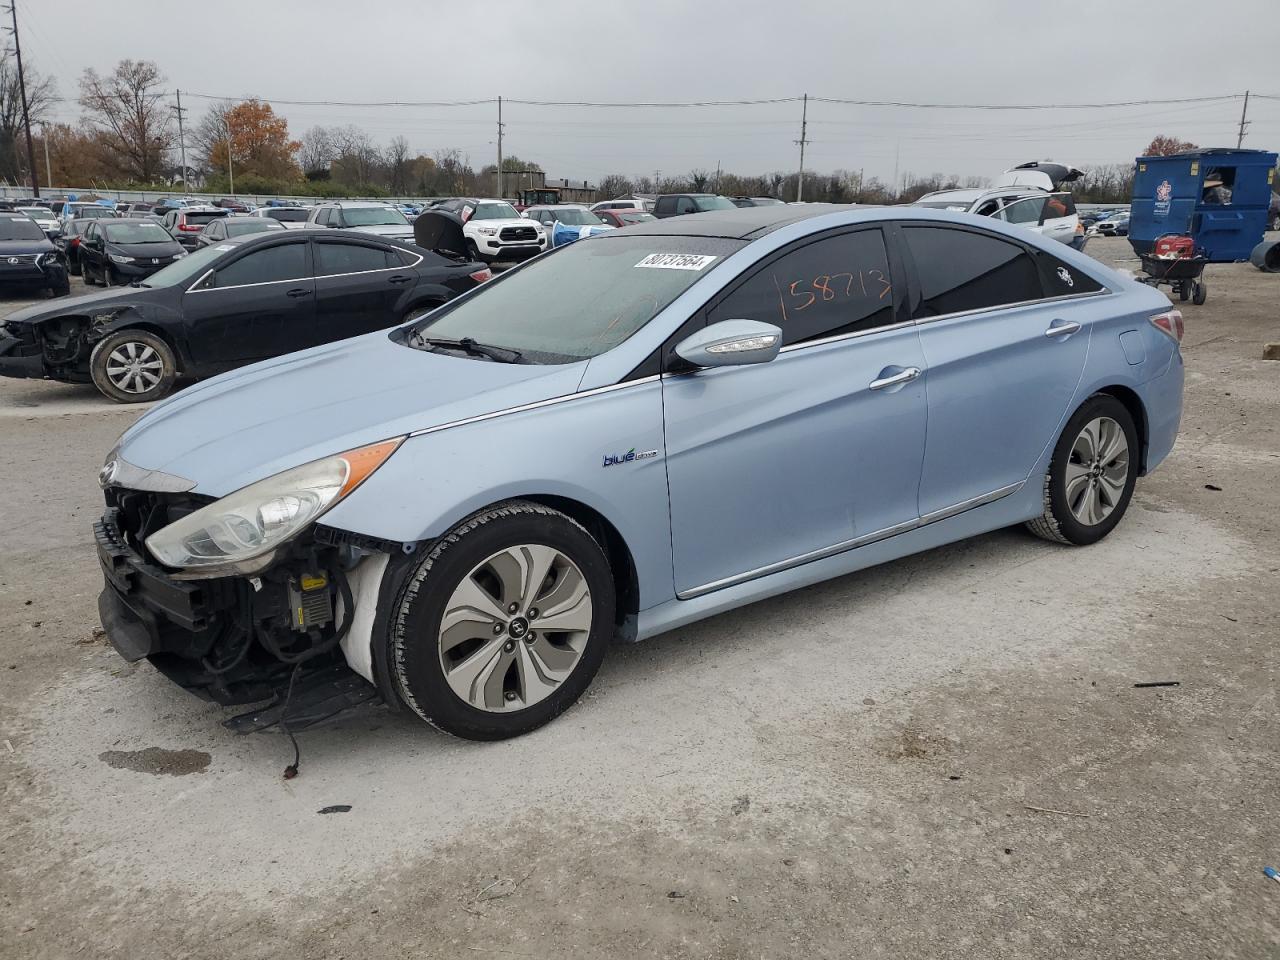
(1097, 471)
(134, 367)
(514, 628)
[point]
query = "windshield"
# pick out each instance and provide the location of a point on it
(583, 299)
(36, 212)
(188, 268)
(577, 218)
(495, 211)
(288, 216)
(20, 228)
(713, 203)
(373, 217)
(94, 211)
(136, 231)
(636, 217)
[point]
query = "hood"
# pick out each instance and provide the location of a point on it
(86, 303)
(9, 247)
(506, 222)
(147, 251)
(395, 230)
(251, 423)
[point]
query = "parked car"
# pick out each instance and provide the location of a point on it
(1116, 225)
(77, 210)
(186, 223)
(242, 300)
(495, 230)
(677, 204)
(218, 230)
(567, 222)
(625, 217)
(379, 219)
(235, 206)
(28, 257)
(123, 250)
(291, 217)
(754, 201)
(466, 511)
(68, 243)
(1051, 214)
(43, 217)
(644, 206)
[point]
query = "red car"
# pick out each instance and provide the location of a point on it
(624, 218)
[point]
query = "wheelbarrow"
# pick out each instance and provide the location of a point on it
(1175, 261)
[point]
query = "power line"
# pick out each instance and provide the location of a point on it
(1026, 106)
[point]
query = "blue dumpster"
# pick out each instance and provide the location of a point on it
(1217, 196)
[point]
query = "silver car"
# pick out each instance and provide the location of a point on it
(621, 437)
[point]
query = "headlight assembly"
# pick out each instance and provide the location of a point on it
(228, 535)
(119, 258)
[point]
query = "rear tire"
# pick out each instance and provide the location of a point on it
(133, 366)
(468, 649)
(1184, 291)
(1091, 477)
(73, 266)
(1200, 293)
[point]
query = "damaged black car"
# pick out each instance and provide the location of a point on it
(237, 302)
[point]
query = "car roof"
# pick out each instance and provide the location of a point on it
(740, 223)
(360, 203)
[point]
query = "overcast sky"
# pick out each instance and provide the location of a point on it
(984, 51)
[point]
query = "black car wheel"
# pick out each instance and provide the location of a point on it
(133, 366)
(73, 265)
(504, 623)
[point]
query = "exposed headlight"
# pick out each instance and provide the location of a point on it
(180, 255)
(118, 258)
(252, 522)
(487, 231)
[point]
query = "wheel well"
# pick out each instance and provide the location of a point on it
(150, 328)
(1133, 403)
(625, 580)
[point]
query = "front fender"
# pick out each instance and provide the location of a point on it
(576, 449)
(159, 320)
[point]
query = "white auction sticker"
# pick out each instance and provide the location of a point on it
(226, 246)
(676, 261)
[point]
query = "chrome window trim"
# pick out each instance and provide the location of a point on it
(1105, 291)
(836, 338)
(551, 401)
(240, 286)
(844, 546)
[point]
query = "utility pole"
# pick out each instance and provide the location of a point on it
(656, 172)
(804, 127)
(897, 152)
(499, 148)
(22, 88)
(48, 167)
(182, 141)
(717, 176)
(1244, 112)
(231, 174)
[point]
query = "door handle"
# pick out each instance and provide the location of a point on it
(297, 292)
(1061, 329)
(399, 278)
(906, 376)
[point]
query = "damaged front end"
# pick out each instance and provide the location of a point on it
(58, 348)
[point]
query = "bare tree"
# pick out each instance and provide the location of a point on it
(128, 106)
(398, 165)
(42, 92)
(318, 151)
(614, 185)
(208, 133)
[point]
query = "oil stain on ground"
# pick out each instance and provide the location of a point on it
(157, 761)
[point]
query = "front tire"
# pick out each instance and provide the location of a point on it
(504, 623)
(1091, 477)
(133, 366)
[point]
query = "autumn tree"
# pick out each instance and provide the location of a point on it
(1163, 146)
(42, 92)
(128, 106)
(257, 137)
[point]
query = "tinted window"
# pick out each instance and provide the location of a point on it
(199, 219)
(287, 261)
(1059, 205)
(1061, 279)
(685, 205)
(334, 258)
(832, 286)
(960, 270)
(285, 215)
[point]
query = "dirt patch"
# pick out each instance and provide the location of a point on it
(157, 761)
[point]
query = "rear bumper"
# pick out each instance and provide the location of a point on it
(1162, 398)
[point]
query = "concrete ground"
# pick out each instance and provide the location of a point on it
(945, 756)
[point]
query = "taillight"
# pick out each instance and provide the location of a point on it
(1170, 322)
(480, 276)
(190, 227)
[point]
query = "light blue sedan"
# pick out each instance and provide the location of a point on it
(621, 437)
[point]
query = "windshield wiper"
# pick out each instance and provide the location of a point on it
(467, 345)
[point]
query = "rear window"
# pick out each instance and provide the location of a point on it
(963, 270)
(203, 218)
(288, 216)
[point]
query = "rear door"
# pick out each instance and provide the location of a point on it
(359, 287)
(258, 304)
(1004, 358)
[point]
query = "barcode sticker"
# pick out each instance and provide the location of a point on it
(676, 261)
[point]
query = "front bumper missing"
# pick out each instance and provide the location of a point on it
(20, 358)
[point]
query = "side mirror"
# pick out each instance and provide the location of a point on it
(731, 343)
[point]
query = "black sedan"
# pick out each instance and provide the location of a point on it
(28, 257)
(119, 251)
(243, 300)
(218, 230)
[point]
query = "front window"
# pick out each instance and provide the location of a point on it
(713, 203)
(20, 228)
(373, 217)
(583, 299)
(577, 218)
(495, 211)
(130, 231)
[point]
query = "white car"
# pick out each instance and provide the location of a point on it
(380, 219)
(42, 216)
(293, 218)
(1027, 195)
(645, 206)
(495, 230)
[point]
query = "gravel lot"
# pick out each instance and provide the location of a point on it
(850, 770)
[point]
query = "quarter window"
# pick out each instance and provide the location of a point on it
(963, 270)
(334, 258)
(837, 285)
(1063, 280)
(1023, 211)
(286, 261)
